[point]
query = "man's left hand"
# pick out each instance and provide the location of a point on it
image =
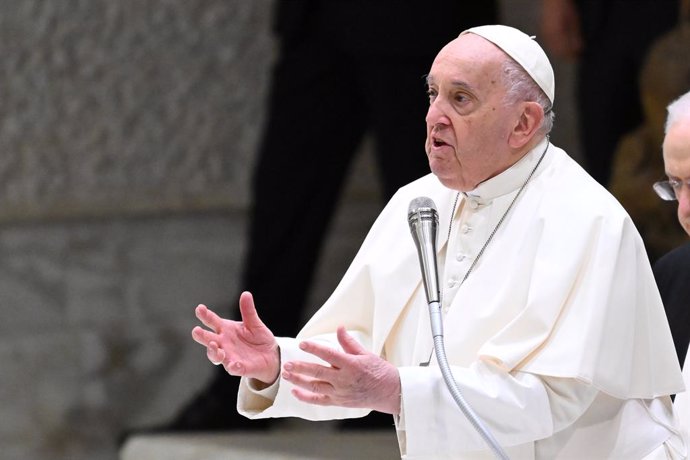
(355, 378)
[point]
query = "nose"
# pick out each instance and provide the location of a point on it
(436, 115)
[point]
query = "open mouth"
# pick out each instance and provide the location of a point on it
(438, 142)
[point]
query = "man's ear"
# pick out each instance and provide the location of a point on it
(527, 125)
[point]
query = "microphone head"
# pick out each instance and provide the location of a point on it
(419, 203)
(421, 208)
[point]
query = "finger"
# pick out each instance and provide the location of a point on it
(332, 356)
(250, 317)
(310, 370)
(349, 344)
(209, 318)
(311, 398)
(234, 368)
(215, 354)
(308, 383)
(204, 337)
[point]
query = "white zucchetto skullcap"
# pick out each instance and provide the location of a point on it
(524, 50)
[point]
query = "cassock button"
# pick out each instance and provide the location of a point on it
(460, 257)
(452, 283)
(465, 228)
(474, 204)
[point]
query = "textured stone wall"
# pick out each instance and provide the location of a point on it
(95, 328)
(127, 134)
(128, 106)
(127, 130)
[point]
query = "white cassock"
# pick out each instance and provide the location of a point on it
(557, 339)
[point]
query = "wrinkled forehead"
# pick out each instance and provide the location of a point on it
(466, 56)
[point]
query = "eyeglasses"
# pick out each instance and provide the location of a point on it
(668, 190)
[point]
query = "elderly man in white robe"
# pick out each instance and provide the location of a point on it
(555, 331)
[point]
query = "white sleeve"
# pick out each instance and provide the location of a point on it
(516, 407)
(277, 399)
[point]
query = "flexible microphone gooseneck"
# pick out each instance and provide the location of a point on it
(423, 220)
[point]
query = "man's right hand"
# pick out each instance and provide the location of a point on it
(245, 348)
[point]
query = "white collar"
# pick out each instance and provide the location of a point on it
(511, 179)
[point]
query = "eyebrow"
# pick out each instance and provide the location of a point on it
(455, 83)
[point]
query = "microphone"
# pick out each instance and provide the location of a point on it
(423, 220)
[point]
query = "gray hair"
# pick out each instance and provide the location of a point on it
(678, 110)
(520, 87)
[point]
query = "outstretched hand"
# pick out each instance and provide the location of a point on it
(355, 378)
(244, 348)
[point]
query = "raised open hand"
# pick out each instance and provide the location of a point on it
(355, 377)
(245, 348)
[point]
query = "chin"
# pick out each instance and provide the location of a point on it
(438, 169)
(450, 182)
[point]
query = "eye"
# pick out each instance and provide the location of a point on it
(461, 97)
(432, 93)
